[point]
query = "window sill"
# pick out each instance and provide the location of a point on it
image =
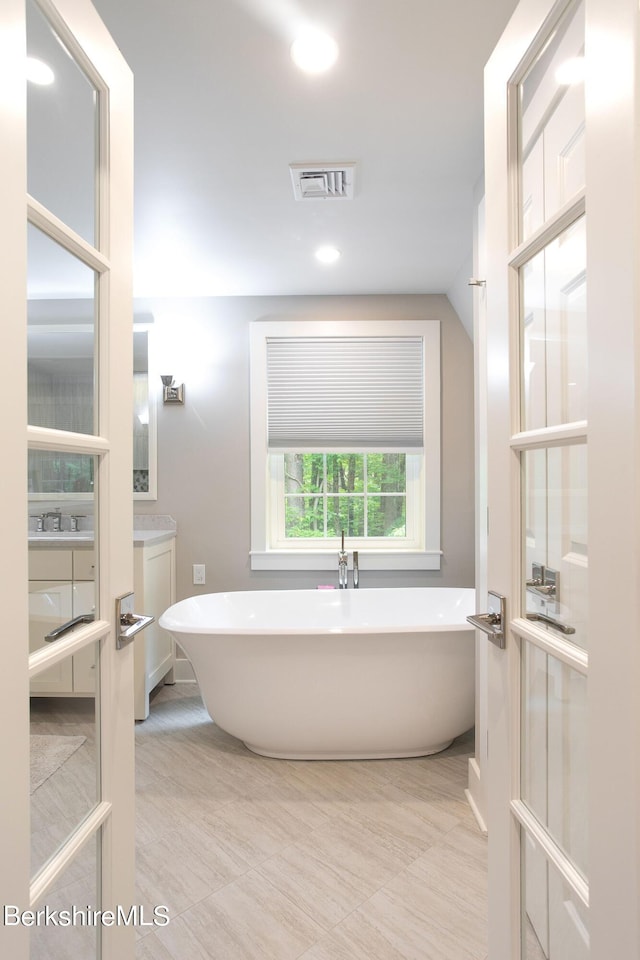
(327, 560)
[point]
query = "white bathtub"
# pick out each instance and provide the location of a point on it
(333, 674)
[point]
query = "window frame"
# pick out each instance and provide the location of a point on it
(420, 551)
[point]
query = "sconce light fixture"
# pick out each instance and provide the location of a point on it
(170, 392)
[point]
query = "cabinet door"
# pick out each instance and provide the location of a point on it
(50, 604)
(50, 564)
(84, 662)
(84, 564)
(154, 579)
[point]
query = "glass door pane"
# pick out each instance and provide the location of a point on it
(62, 337)
(554, 750)
(555, 588)
(63, 586)
(75, 896)
(551, 125)
(64, 761)
(555, 923)
(554, 332)
(62, 124)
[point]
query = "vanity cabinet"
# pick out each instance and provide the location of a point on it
(154, 577)
(62, 586)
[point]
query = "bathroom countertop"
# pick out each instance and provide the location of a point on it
(141, 538)
(84, 538)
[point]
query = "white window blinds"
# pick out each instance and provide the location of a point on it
(338, 394)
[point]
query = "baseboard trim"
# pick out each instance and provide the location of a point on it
(184, 671)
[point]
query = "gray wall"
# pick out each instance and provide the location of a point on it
(203, 446)
(460, 295)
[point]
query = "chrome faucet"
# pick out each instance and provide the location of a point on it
(56, 520)
(342, 566)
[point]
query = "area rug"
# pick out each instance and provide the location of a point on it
(48, 753)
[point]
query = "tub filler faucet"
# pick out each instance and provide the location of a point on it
(342, 566)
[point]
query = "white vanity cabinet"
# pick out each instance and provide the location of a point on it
(154, 577)
(62, 586)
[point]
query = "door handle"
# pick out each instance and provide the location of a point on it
(562, 627)
(128, 622)
(493, 622)
(69, 625)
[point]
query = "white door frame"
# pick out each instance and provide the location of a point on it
(476, 792)
(14, 704)
(613, 254)
(113, 815)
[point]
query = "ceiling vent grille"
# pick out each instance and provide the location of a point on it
(323, 181)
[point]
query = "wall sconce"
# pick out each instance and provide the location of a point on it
(170, 392)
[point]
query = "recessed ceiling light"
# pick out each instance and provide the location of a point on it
(39, 72)
(327, 254)
(314, 51)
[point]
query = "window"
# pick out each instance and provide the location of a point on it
(345, 435)
(364, 494)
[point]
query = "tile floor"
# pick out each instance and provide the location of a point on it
(261, 859)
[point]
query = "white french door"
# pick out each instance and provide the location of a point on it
(562, 233)
(66, 192)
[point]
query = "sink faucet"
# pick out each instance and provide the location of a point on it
(356, 570)
(342, 566)
(56, 520)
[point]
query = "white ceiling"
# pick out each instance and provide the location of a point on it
(221, 112)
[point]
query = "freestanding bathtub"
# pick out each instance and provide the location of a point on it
(333, 674)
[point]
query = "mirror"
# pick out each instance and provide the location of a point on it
(145, 378)
(61, 352)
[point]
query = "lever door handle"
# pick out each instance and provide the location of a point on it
(132, 623)
(128, 622)
(562, 627)
(493, 622)
(69, 625)
(542, 589)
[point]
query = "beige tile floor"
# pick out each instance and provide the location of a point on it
(261, 859)
(273, 859)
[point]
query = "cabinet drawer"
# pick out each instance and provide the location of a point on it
(84, 564)
(50, 564)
